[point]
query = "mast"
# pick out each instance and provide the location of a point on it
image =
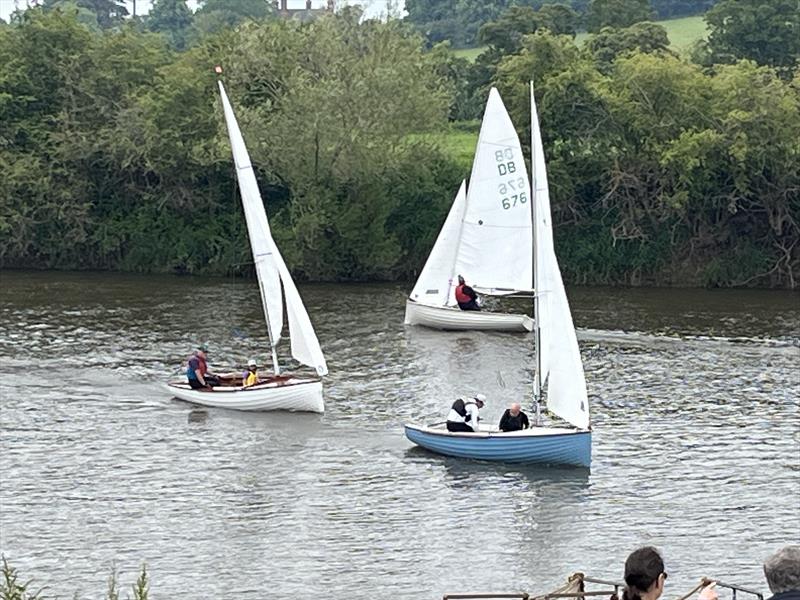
(537, 381)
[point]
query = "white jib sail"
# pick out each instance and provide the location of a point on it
(495, 249)
(305, 345)
(270, 267)
(436, 282)
(560, 357)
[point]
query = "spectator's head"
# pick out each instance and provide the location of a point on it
(644, 575)
(202, 350)
(514, 409)
(480, 400)
(252, 365)
(460, 280)
(782, 570)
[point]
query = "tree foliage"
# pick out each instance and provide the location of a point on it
(766, 31)
(171, 18)
(616, 13)
(610, 43)
(114, 151)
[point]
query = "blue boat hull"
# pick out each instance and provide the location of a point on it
(566, 447)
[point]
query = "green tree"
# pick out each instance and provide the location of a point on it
(766, 31)
(506, 33)
(171, 18)
(109, 13)
(214, 15)
(616, 13)
(645, 37)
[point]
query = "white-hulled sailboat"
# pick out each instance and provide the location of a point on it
(486, 238)
(558, 361)
(278, 391)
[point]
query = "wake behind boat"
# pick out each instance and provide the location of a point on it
(558, 361)
(487, 236)
(280, 391)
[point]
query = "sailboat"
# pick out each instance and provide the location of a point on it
(279, 391)
(558, 361)
(486, 237)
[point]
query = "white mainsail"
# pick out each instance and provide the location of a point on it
(495, 247)
(270, 267)
(560, 364)
(435, 284)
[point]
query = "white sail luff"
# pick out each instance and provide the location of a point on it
(560, 361)
(271, 269)
(495, 244)
(434, 285)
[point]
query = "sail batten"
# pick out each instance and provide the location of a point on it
(274, 280)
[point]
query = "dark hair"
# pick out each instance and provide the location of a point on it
(641, 571)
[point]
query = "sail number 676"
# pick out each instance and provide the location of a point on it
(514, 192)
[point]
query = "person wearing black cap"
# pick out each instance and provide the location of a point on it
(466, 297)
(465, 416)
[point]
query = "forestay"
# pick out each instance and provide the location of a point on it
(495, 249)
(559, 356)
(435, 284)
(270, 267)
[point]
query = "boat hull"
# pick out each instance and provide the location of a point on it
(292, 394)
(538, 445)
(455, 319)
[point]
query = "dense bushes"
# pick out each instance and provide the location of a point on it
(114, 152)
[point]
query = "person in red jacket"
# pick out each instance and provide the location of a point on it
(465, 296)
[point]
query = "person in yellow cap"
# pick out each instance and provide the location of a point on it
(251, 377)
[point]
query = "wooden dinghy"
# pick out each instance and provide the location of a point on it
(279, 391)
(282, 392)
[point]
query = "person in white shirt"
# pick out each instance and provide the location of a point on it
(465, 415)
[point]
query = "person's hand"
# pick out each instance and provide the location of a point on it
(709, 593)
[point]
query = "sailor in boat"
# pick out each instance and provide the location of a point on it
(197, 370)
(465, 416)
(250, 377)
(465, 296)
(514, 419)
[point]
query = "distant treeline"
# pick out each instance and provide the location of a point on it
(114, 154)
(460, 21)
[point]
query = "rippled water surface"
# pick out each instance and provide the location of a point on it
(696, 445)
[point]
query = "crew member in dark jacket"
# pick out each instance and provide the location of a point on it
(782, 571)
(466, 297)
(514, 419)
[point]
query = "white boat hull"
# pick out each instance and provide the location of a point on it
(443, 317)
(294, 394)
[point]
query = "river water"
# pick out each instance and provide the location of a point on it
(696, 446)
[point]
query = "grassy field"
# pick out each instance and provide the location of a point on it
(682, 34)
(457, 140)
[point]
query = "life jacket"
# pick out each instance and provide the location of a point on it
(461, 297)
(202, 366)
(459, 413)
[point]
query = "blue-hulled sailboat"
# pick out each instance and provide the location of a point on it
(559, 367)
